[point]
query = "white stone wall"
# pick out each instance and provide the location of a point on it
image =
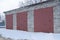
(56, 11)
(14, 22)
(30, 20)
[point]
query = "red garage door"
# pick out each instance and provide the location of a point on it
(22, 21)
(9, 21)
(43, 20)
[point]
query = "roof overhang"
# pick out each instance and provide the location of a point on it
(27, 6)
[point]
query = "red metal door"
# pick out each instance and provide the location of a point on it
(22, 21)
(9, 21)
(43, 20)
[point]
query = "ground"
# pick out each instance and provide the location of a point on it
(7, 34)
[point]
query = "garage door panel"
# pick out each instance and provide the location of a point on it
(43, 19)
(9, 21)
(22, 21)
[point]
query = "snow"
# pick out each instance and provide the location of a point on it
(18, 34)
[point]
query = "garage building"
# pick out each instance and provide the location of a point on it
(40, 17)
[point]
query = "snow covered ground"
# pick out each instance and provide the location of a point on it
(18, 34)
